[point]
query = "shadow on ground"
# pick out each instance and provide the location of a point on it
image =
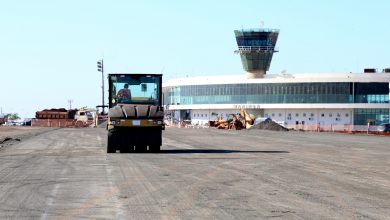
(219, 151)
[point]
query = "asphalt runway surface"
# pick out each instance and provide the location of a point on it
(199, 174)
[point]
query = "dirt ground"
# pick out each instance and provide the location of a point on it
(12, 134)
(199, 174)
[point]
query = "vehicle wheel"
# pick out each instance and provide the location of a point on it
(111, 142)
(140, 148)
(154, 140)
(127, 144)
(126, 149)
(154, 148)
(79, 124)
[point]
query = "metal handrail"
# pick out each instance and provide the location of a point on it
(249, 49)
(259, 30)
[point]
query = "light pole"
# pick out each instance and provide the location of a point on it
(100, 67)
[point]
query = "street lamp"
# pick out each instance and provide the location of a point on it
(100, 68)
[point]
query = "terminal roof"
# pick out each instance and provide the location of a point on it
(281, 78)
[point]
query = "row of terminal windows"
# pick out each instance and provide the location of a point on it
(372, 116)
(311, 115)
(267, 89)
(279, 93)
(361, 116)
(288, 115)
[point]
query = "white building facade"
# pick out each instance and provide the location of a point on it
(302, 101)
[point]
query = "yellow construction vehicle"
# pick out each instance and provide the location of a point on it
(135, 117)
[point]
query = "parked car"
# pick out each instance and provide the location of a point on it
(385, 127)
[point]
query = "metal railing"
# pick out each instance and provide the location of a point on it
(268, 30)
(257, 49)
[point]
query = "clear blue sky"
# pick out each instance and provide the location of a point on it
(49, 49)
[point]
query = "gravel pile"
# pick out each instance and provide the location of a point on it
(270, 125)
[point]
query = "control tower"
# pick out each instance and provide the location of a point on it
(256, 47)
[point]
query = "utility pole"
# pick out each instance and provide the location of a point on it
(100, 67)
(70, 103)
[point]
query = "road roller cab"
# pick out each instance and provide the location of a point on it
(135, 117)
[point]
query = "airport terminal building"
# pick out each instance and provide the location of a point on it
(337, 101)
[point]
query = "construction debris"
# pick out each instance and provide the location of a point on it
(243, 120)
(268, 124)
(54, 113)
(65, 118)
(234, 121)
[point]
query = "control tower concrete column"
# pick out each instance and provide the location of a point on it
(253, 74)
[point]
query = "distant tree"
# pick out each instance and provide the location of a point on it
(13, 116)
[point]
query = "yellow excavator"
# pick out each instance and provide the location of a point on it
(135, 116)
